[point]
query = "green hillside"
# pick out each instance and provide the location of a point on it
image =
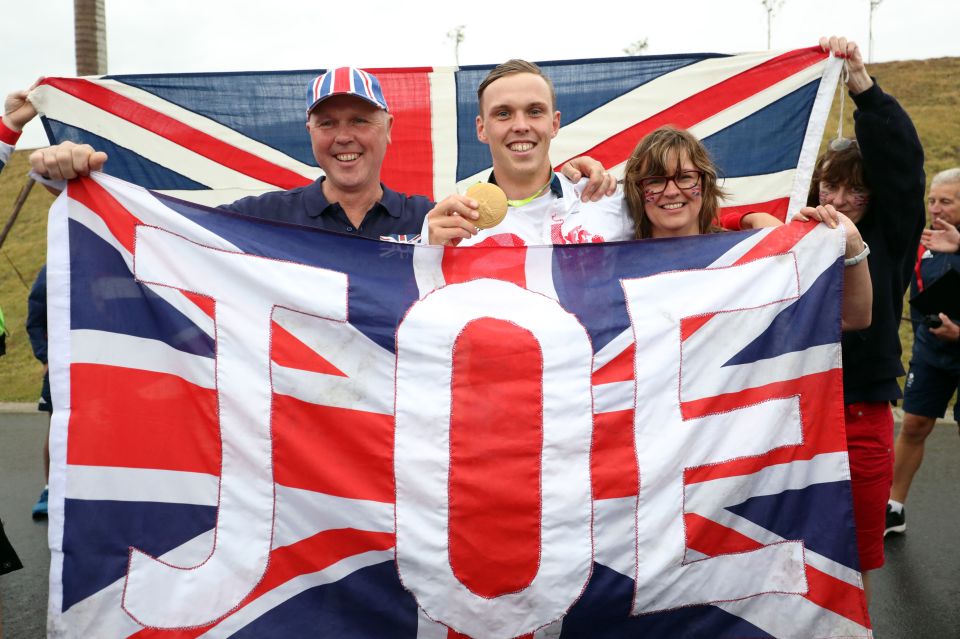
(928, 89)
(21, 257)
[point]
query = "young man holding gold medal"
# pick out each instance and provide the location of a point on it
(517, 120)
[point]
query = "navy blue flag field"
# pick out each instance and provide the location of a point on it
(215, 137)
(270, 431)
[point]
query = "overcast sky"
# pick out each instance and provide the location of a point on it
(216, 35)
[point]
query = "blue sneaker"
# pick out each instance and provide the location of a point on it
(40, 508)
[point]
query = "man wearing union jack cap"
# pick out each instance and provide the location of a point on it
(349, 124)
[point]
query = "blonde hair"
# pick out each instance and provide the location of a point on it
(650, 158)
(511, 67)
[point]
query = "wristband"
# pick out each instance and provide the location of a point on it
(856, 259)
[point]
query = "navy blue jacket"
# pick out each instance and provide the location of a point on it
(37, 316)
(891, 225)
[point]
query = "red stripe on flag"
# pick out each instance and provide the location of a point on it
(304, 557)
(342, 452)
(618, 369)
(781, 240)
(710, 538)
(121, 222)
(837, 595)
(204, 302)
(287, 350)
(186, 136)
(474, 262)
(613, 459)
(706, 103)
(496, 447)
(407, 93)
(713, 539)
(690, 325)
(146, 420)
(821, 408)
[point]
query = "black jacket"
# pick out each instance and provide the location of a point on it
(891, 225)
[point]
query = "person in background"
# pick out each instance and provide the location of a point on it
(935, 362)
(37, 331)
(17, 111)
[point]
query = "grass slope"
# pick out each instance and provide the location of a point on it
(21, 257)
(928, 89)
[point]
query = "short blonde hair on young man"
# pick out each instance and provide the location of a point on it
(511, 67)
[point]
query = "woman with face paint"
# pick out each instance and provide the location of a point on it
(670, 186)
(877, 180)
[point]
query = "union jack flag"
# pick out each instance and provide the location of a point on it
(270, 431)
(215, 137)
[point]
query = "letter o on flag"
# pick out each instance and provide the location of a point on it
(425, 362)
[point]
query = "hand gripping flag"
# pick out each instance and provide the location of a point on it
(215, 137)
(270, 431)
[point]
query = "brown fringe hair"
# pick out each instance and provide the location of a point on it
(837, 167)
(650, 158)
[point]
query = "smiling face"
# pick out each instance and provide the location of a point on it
(517, 121)
(675, 212)
(349, 137)
(943, 202)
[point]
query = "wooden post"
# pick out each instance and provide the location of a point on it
(24, 192)
(90, 35)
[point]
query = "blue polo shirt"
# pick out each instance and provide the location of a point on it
(394, 216)
(927, 347)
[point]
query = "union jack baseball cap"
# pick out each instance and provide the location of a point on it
(345, 81)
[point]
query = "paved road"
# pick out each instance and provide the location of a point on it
(23, 593)
(916, 594)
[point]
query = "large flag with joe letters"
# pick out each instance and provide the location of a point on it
(270, 431)
(214, 137)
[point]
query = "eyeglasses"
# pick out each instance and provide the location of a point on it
(685, 180)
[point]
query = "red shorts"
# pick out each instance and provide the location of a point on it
(870, 445)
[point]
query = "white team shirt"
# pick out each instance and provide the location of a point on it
(558, 220)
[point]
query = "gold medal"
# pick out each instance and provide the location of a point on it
(492, 201)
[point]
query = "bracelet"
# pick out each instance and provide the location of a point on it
(856, 259)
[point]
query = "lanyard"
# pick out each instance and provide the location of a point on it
(527, 200)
